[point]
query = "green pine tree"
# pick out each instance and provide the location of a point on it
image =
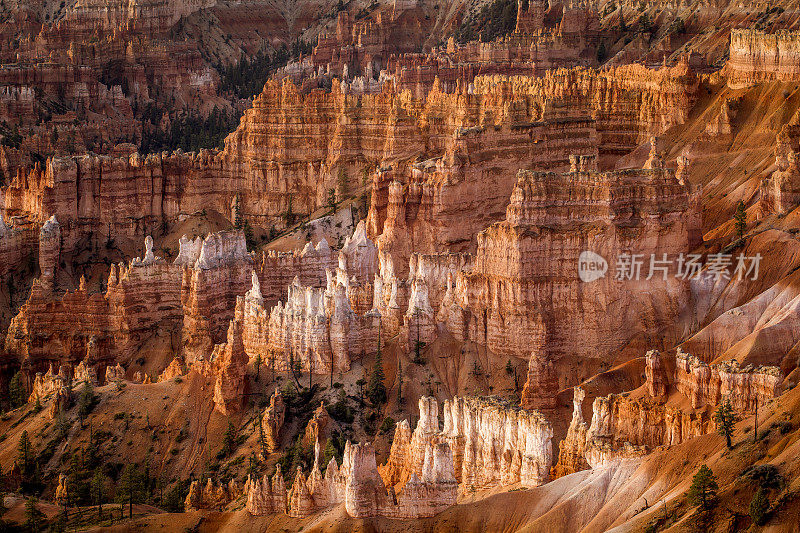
(329, 452)
(33, 516)
(377, 390)
(759, 506)
(131, 488)
(98, 490)
(26, 461)
(86, 402)
(229, 440)
(703, 490)
(16, 391)
(725, 418)
(740, 220)
(332, 203)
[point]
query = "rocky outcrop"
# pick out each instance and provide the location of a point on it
(492, 444)
(62, 490)
(272, 421)
(115, 373)
(317, 429)
(216, 278)
(756, 56)
(623, 426)
(265, 496)
(85, 373)
(211, 495)
(46, 384)
(49, 252)
(358, 485)
(709, 385)
(16, 242)
(633, 423)
(98, 328)
(571, 450)
(655, 375)
(227, 367)
(55, 387)
(541, 388)
(176, 368)
(780, 191)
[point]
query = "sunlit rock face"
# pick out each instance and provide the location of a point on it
(757, 56)
(492, 444)
(519, 299)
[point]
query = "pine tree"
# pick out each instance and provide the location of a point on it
(289, 215)
(704, 488)
(377, 390)
(332, 199)
(26, 460)
(33, 516)
(130, 489)
(601, 52)
(399, 384)
(98, 489)
(740, 220)
(16, 391)
(329, 452)
(86, 402)
(360, 384)
(258, 366)
(759, 506)
(229, 440)
(262, 438)
(725, 419)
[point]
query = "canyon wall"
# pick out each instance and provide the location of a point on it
(295, 147)
(633, 423)
(756, 56)
(210, 295)
(515, 298)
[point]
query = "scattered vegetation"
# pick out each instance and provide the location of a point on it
(494, 20)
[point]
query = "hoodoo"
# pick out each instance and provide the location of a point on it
(469, 265)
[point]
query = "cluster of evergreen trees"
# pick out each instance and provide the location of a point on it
(494, 20)
(189, 131)
(247, 77)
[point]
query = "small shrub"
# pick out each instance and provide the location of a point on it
(759, 506)
(387, 425)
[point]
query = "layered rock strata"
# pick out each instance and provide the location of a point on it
(633, 423)
(292, 147)
(757, 56)
(272, 421)
(571, 450)
(265, 495)
(514, 299)
(711, 384)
